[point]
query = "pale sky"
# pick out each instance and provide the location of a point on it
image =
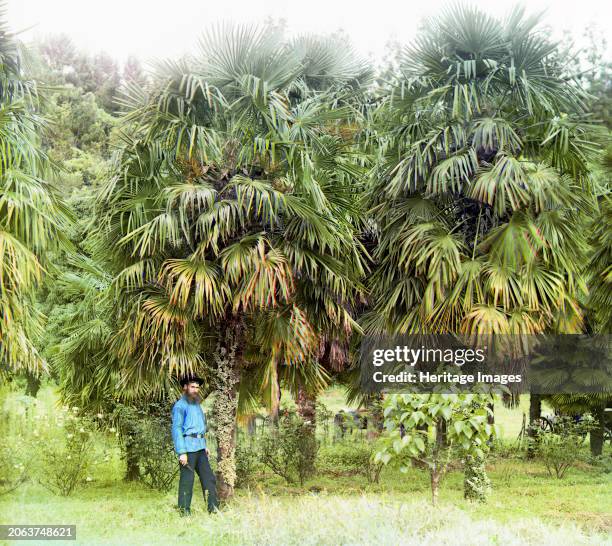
(153, 29)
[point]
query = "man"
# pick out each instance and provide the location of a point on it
(188, 430)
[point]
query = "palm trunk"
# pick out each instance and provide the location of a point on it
(535, 412)
(33, 384)
(596, 437)
(476, 483)
(376, 417)
(491, 416)
(275, 395)
(306, 406)
(437, 470)
(130, 454)
(132, 468)
(225, 406)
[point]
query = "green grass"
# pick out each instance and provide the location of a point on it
(533, 510)
(526, 506)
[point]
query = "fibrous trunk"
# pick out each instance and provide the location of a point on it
(596, 439)
(132, 467)
(33, 384)
(535, 413)
(275, 395)
(476, 483)
(306, 406)
(225, 406)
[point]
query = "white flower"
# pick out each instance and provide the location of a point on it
(112, 429)
(81, 429)
(88, 478)
(99, 416)
(69, 436)
(69, 457)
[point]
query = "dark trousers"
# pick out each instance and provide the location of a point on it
(197, 461)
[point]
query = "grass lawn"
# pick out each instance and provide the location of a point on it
(526, 506)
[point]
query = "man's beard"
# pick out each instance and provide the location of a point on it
(195, 397)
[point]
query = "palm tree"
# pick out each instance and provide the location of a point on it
(32, 219)
(599, 306)
(83, 360)
(230, 215)
(482, 185)
(599, 268)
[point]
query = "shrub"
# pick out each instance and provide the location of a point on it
(560, 449)
(507, 449)
(323, 417)
(290, 450)
(147, 431)
(65, 452)
(350, 458)
(247, 462)
(12, 470)
(602, 463)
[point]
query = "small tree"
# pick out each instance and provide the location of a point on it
(436, 429)
(560, 449)
(290, 450)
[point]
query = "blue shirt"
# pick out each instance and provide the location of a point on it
(187, 418)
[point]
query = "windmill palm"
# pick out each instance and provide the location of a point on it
(600, 268)
(481, 192)
(599, 305)
(231, 209)
(32, 219)
(481, 183)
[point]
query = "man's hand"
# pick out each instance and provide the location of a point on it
(183, 459)
(207, 452)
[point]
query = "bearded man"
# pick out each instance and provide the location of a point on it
(189, 437)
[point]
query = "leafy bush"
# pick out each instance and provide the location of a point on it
(147, 432)
(247, 461)
(560, 449)
(12, 469)
(64, 452)
(350, 458)
(602, 463)
(291, 449)
(507, 449)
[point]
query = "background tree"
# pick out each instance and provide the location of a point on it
(32, 219)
